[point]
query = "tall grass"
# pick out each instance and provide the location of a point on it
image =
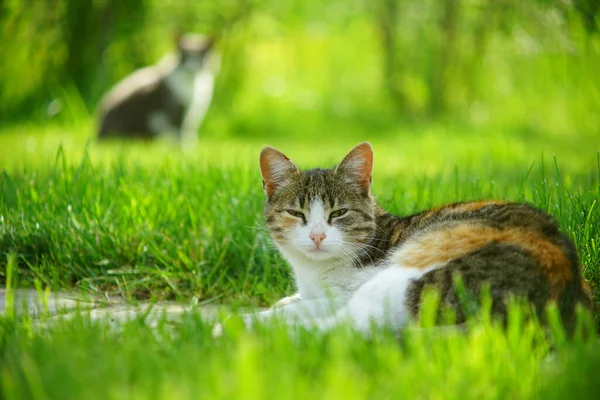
(142, 221)
(151, 221)
(78, 358)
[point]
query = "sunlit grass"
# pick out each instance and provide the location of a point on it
(152, 221)
(79, 358)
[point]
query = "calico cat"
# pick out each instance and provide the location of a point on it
(169, 98)
(353, 262)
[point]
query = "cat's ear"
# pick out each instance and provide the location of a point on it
(276, 169)
(358, 165)
(210, 42)
(177, 35)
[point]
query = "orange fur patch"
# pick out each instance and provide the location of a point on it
(463, 207)
(288, 222)
(440, 247)
(396, 237)
(476, 205)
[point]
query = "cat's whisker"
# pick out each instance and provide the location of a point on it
(359, 260)
(258, 226)
(366, 245)
(353, 259)
(352, 255)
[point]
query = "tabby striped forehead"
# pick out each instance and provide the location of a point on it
(332, 188)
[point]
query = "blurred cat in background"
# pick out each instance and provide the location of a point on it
(169, 98)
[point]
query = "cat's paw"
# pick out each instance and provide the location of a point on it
(217, 330)
(286, 301)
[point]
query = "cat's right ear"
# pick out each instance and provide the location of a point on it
(177, 35)
(358, 165)
(276, 169)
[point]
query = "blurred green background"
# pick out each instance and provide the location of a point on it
(309, 68)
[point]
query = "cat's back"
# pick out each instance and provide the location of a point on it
(137, 84)
(127, 107)
(435, 237)
(517, 249)
(496, 215)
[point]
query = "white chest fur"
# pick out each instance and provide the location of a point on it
(182, 84)
(194, 92)
(360, 296)
(327, 278)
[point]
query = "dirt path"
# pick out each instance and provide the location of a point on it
(55, 305)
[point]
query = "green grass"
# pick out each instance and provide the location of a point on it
(149, 221)
(80, 359)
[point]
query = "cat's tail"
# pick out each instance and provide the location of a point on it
(575, 295)
(576, 292)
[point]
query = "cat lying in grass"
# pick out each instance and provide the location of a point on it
(355, 263)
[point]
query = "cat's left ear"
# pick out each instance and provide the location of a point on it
(177, 35)
(358, 165)
(276, 169)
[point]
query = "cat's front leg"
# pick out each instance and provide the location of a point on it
(198, 108)
(306, 313)
(287, 300)
(300, 312)
(379, 302)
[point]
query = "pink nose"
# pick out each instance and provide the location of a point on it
(318, 238)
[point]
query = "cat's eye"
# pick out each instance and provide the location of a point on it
(297, 214)
(337, 213)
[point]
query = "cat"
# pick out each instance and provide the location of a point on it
(355, 263)
(170, 98)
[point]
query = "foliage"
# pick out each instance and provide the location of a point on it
(375, 63)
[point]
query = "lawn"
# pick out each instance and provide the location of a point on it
(148, 221)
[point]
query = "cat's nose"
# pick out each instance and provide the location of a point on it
(317, 238)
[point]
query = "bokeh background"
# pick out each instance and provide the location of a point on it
(461, 99)
(308, 68)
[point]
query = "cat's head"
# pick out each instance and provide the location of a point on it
(319, 213)
(193, 49)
